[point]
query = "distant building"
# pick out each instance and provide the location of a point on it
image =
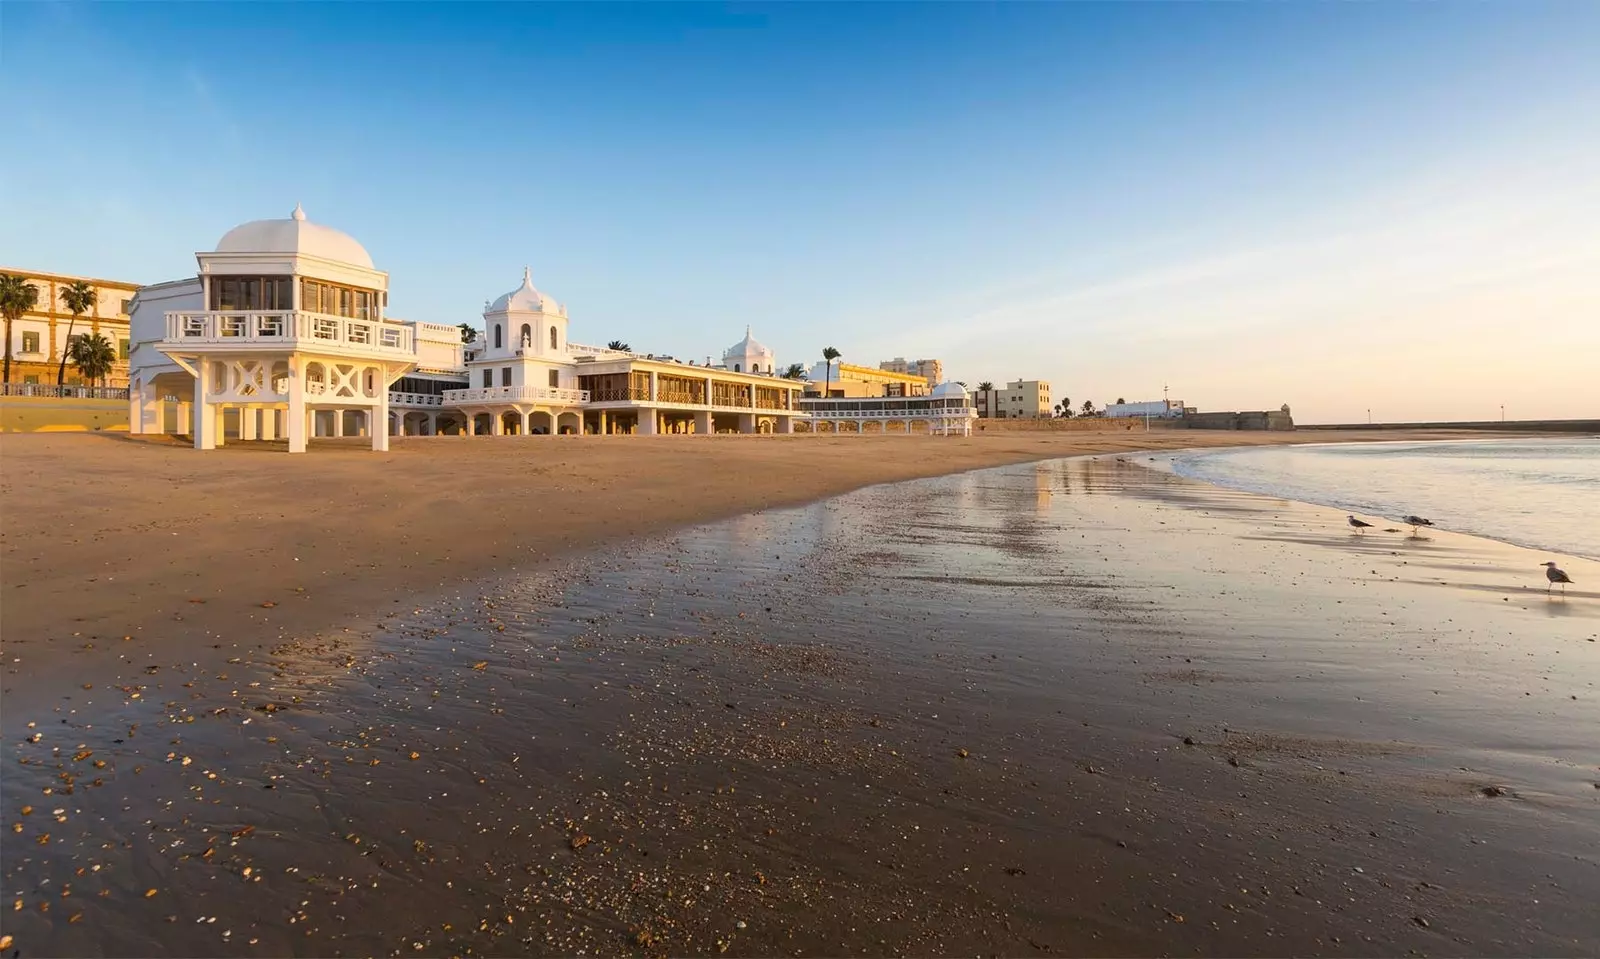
(1155, 409)
(850, 381)
(39, 336)
(1021, 399)
(930, 370)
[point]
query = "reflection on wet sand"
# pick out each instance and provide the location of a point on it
(964, 714)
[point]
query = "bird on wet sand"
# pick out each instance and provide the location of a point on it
(1358, 524)
(1416, 521)
(1555, 575)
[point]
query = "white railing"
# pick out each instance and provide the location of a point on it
(289, 329)
(900, 413)
(52, 391)
(515, 394)
(580, 349)
(415, 399)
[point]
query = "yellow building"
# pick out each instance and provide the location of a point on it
(1021, 399)
(40, 335)
(930, 370)
(851, 382)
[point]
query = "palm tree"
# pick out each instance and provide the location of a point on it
(78, 297)
(17, 296)
(468, 334)
(1066, 407)
(987, 389)
(1121, 401)
(1088, 407)
(619, 346)
(829, 354)
(796, 371)
(94, 356)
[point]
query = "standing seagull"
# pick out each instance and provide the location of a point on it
(1416, 521)
(1555, 575)
(1358, 524)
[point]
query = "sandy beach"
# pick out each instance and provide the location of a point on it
(665, 698)
(107, 536)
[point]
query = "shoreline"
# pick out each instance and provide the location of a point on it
(201, 545)
(671, 745)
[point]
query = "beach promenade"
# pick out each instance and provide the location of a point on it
(751, 696)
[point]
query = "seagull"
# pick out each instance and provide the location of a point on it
(1416, 521)
(1555, 575)
(1358, 524)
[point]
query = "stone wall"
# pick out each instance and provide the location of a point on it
(1255, 420)
(38, 414)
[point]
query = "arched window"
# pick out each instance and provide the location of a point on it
(736, 367)
(553, 338)
(527, 335)
(499, 341)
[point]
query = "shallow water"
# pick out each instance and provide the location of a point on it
(1080, 707)
(1539, 493)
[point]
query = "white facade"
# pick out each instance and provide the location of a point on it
(1155, 409)
(749, 356)
(946, 411)
(283, 322)
(283, 334)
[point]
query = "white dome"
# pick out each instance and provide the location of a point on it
(950, 389)
(294, 235)
(525, 299)
(748, 347)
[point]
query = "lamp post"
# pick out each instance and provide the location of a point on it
(1369, 416)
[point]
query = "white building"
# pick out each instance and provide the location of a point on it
(749, 356)
(283, 332)
(946, 411)
(1155, 409)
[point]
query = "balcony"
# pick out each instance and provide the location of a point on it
(397, 398)
(493, 395)
(319, 332)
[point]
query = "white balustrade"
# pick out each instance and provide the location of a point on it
(580, 349)
(397, 398)
(289, 330)
(515, 394)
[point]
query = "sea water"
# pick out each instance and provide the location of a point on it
(1538, 493)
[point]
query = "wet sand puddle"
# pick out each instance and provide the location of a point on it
(1060, 708)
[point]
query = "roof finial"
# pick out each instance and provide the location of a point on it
(747, 331)
(298, 214)
(527, 276)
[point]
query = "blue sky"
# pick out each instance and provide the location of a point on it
(1338, 206)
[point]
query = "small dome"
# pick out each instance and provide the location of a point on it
(748, 347)
(295, 234)
(525, 299)
(950, 389)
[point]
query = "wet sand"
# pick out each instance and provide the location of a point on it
(1077, 707)
(109, 536)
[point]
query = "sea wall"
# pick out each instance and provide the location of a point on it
(45, 414)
